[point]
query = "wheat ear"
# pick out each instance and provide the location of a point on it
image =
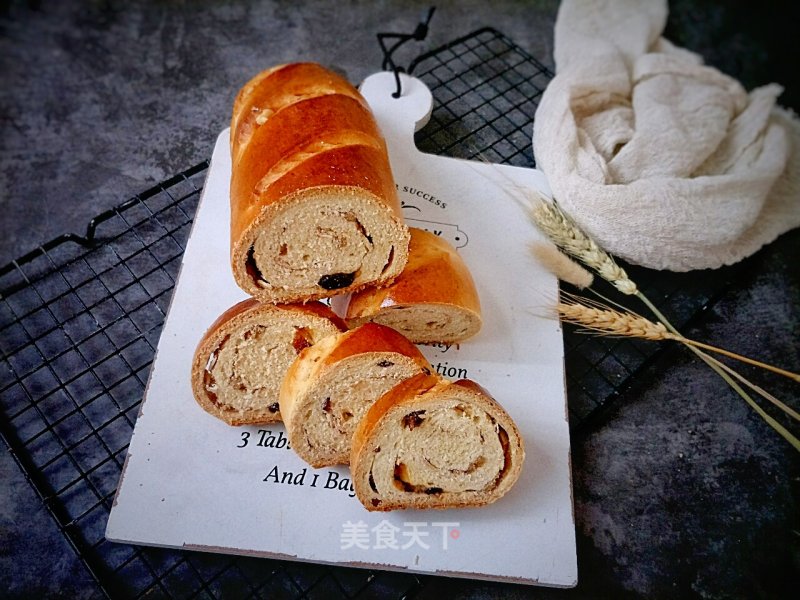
(567, 235)
(598, 319)
(570, 238)
(613, 322)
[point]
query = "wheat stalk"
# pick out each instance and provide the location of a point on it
(718, 368)
(600, 319)
(565, 233)
(613, 322)
(739, 357)
(792, 413)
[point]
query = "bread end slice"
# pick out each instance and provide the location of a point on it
(433, 300)
(240, 362)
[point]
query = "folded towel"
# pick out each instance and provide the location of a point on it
(667, 162)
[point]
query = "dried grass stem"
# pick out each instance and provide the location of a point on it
(561, 265)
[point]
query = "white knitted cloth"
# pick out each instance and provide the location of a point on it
(666, 162)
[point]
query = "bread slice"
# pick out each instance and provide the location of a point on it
(432, 443)
(240, 362)
(314, 208)
(434, 299)
(332, 384)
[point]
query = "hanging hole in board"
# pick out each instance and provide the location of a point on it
(419, 34)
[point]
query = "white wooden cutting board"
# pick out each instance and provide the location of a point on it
(194, 482)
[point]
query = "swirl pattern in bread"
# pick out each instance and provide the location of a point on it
(434, 299)
(240, 362)
(332, 384)
(314, 208)
(432, 443)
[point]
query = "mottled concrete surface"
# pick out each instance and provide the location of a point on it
(103, 99)
(680, 491)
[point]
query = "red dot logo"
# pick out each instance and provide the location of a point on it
(455, 534)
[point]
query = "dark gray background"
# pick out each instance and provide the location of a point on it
(679, 491)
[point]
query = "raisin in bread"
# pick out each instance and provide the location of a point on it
(432, 443)
(241, 360)
(314, 208)
(332, 384)
(434, 299)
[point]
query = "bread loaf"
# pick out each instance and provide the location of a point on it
(314, 209)
(431, 443)
(434, 299)
(240, 362)
(332, 384)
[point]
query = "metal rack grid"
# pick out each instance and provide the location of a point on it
(80, 319)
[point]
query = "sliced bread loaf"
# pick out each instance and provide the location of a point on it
(431, 443)
(240, 362)
(434, 299)
(332, 384)
(314, 208)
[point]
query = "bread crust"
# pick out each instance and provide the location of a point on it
(315, 362)
(301, 131)
(410, 395)
(250, 311)
(435, 276)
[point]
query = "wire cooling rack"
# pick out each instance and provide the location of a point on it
(80, 319)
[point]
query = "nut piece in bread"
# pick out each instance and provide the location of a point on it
(434, 299)
(332, 384)
(432, 443)
(314, 208)
(241, 360)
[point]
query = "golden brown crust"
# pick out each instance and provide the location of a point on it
(250, 311)
(277, 87)
(316, 124)
(234, 311)
(434, 276)
(368, 338)
(415, 395)
(301, 131)
(323, 361)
